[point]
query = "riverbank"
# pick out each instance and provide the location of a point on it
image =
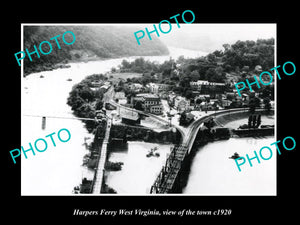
(212, 172)
(225, 120)
(136, 133)
(211, 136)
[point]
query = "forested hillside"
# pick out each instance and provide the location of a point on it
(92, 42)
(238, 61)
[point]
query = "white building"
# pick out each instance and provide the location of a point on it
(181, 104)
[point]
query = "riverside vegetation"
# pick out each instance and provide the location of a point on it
(92, 43)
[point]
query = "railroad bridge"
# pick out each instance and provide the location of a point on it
(168, 180)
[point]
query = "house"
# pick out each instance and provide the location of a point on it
(189, 118)
(157, 88)
(171, 98)
(136, 87)
(225, 103)
(202, 97)
(181, 104)
(120, 95)
(206, 87)
(96, 84)
(258, 68)
(245, 97)
(104, 88)
(208, 106)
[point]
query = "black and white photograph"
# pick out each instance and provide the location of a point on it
(145, 113)
(162, 117)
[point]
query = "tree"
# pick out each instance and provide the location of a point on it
(195, 75)
(198, 101)
(218, 53)
(188, 93)
(226, 47)
(125, 64)
(99, 104)
(211, 58)
(210, 74)
(139, 106)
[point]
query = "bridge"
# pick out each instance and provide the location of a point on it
(99, 173)
(168, 180)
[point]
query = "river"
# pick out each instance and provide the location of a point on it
(213, 173)
(138, 172)
(57, 170)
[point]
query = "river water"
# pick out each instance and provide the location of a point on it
(213, 173)
(58, 169)
(138, 172)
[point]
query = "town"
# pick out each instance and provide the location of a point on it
(160, 99)
(180, 90)
(179, 102)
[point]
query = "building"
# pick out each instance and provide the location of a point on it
(153, 87)
(186, 118)
(120, 95)
(206, 87)
(208, 106)
(150, 102)
(149, 99)
(181, 104)
(157, 88)
(156, 109)
(104, 88)
(96, 84)
(171, 98)
(136, 87)
(225, 103)
(129, 117)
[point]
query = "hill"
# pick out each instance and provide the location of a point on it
(92, 42)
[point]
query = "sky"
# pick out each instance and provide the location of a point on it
(210, 37)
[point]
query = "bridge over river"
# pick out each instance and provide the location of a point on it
(168, 180)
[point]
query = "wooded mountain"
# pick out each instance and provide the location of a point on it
(92, 42)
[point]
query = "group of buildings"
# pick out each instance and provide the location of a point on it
(151, 100)
(206, 96)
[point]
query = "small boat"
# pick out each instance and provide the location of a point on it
(41, 76)
(153, 153)
(69, 79)
(235, 156)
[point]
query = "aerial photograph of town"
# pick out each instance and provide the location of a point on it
(162, 117)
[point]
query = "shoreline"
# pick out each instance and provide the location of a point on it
(60, 65)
